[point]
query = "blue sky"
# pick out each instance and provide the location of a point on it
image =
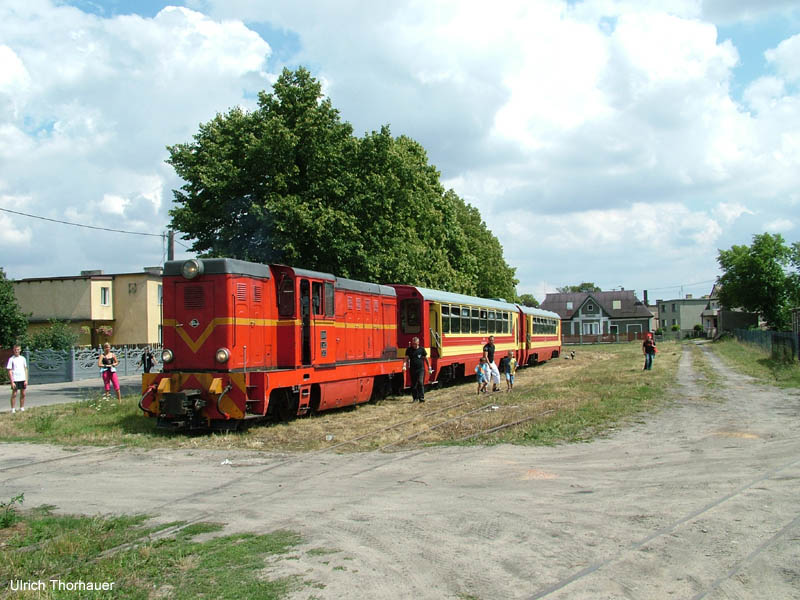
(615, 141)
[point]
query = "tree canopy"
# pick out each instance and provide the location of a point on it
(582, 287)
(763, 277)
(290, 183)
(13, 323)
(528, 300)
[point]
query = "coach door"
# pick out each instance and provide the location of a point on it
(435, 327)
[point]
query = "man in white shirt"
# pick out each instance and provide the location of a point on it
(18, 375)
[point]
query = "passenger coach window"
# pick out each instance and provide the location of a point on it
(474, 322)
(445, 318)
(455, 319)
(329, 300)
(410, 316)
(286, 297)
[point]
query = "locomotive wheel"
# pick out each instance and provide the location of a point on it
(284, 405)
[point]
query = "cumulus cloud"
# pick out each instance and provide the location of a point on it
(96, 101)
(598, 138)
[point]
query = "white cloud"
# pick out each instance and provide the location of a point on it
(730, 211)
(786, 58)
(598, 138)
(97, 101)
(779, 225)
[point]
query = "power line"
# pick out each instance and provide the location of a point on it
(161, 235)
(681, 285)
(80, 225)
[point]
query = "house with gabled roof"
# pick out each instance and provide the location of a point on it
(600, 313)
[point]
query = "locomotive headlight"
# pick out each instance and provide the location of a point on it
(222, 355)
(192, 268)
(167, 356)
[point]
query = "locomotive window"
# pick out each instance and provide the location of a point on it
(474, 323)
(286, 297)
(506, 319)
(410, 316)
(316, 297)
(329, 300)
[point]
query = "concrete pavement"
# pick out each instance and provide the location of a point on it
(43, 394)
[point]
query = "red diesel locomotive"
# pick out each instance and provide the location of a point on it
(244, 341)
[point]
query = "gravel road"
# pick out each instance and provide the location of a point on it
(699, 500)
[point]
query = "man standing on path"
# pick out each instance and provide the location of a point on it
(488, 354)
(17, 368)
(417, 359)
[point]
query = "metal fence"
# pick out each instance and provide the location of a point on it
(781, 345)
(51, 366)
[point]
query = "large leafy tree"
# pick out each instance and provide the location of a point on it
(762, 277)
(290, 183)
(13, 323)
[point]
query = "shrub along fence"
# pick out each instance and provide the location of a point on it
(782, 345)
(52, 366)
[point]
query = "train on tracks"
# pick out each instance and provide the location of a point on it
(246, 341)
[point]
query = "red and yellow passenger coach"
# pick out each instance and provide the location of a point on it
(244, 340)
(454, 329)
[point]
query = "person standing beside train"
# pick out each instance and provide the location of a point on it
(417, 360)
(17, 368)
(488, 354)
(108, 362)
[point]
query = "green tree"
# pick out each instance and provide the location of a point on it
(528, 300)
(13, 322)
(583, 287)
(290, 183)
(762, 277)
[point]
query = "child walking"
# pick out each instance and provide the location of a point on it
(511, 368)
(483, 373)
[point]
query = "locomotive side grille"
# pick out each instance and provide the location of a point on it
(241, 292)
(193, 297)
(256, 293)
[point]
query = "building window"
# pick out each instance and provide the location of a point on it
(674, 322)
(590, 308)
(160, 295)
(105, 296)
(569, 305)
(673, 308)
(617, 304)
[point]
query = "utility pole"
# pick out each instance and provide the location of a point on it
(170, 245)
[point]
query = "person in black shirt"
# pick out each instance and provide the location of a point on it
(649, 351)
(417, 359)
(488, 354)
(148, 360)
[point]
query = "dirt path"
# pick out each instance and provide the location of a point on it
(699, 501)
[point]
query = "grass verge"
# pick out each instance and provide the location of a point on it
(40, 546)
(752, 360)
(562, 400)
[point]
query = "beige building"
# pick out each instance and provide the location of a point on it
(121, 309)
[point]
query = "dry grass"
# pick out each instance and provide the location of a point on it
(563, 400)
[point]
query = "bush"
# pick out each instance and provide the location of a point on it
(698, 328)
(58, 336)
(675, 328)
